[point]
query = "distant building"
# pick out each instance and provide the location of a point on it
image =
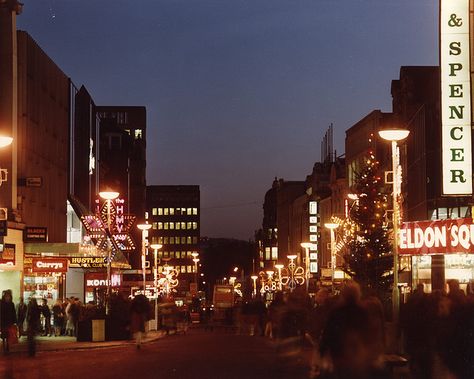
(174, 213)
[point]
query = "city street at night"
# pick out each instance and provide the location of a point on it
(195, 355)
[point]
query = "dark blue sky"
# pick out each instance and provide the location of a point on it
(237, 91)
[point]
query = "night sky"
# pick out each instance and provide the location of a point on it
(237, 91)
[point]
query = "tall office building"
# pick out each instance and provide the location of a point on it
(174, 212)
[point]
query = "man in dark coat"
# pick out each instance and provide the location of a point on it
(21, 316)
(33, 315)
(7, 318)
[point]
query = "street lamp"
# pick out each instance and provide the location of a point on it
(306, 246)
(196, 260)
(5, 141)
(156, 247)
(108, 196)
(394, 136)
(144, 228)
(332, 227)
(254, 278)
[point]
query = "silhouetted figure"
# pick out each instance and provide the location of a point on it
(346, 345)
(21, 316)
(33, 314)
(7, 318)
(139, 311)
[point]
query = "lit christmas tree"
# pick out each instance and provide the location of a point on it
(369, 258)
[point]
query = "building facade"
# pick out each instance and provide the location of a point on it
(174, 213)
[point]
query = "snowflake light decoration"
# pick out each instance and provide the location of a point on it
(292, 276)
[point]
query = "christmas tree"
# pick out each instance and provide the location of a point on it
(369, 258)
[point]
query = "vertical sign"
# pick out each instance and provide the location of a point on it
(455, 97)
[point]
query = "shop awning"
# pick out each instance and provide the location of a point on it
(69, 250)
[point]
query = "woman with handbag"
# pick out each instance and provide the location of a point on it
(7, 320)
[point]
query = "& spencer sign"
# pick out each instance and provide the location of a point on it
(50, 265)
(437, 237)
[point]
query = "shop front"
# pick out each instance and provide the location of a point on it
(95, 286)
(427, 245)
(45, 278)
(11, 258)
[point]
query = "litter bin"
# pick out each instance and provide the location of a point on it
(98, 330)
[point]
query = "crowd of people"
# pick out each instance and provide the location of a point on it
(351, 337)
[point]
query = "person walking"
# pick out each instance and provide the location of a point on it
(21, 317)
(46, 312)
(140, 309)
(7, 318)
(58, 317)
(33, 315)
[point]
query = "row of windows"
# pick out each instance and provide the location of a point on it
(182, 269)
(174, 211)
(176, 254)
(175, 240)
(175, 225)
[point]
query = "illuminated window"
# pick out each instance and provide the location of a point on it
(160, 225)
(154, 225)
(178, 254)
(195, 211)
(313, 207)
(166, 254)
(138, 134)
(165, 211)
(274, 253)
(183, 240)
(166, 225)
(183, 269)
(313, 229)
(160, 269)
(189, 240)
(190, 211)
(171, 254)
(268, 254)
(190, 255)
(190, 269)
(190, 225)
(160, 211)
(160, 240)
(154, 211)
(165, 240)
(172, 240)
(160, 253)
(172, 211)
(178, 225)
(154, 239)
(171, 225)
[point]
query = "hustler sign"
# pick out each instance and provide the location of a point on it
(437, 237)
(455, 97)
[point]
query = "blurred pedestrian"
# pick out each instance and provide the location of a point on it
(346, 345)
(33, 315)
(21, 317)
(46, 312)
(58, 317)
(7, 319)
(139, 311)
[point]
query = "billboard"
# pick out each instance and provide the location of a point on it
(437, 237)
(455, 97)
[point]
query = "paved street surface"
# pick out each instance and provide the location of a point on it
(195, 355)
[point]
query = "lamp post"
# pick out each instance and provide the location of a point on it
(306, 246)
(394, 136)
(196, 261)
(108, 196)
(254, 279)
(332, 227)
(156, 247)
(144, 228)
